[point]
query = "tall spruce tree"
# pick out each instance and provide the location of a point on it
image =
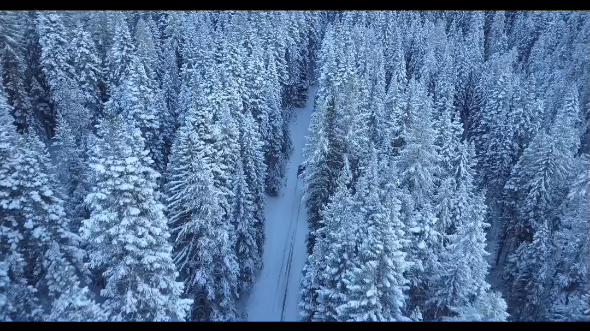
(127, 232)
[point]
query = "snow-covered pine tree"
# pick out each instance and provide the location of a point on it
(170, 23)
(309, 286)
(167, 77)
(204, 251)
(46, 208)
(376, 123)
(246, 238)
(232, 70)
(296, 90)
(454, 165)
(358, 117)
(468, 59)
(418, 165)
(496, 142)
(395, 298)
(539, 179)
(101, 28)
(532, 261)
(447, 121)
(55, 61)
(378, 283)
(254, 171)
(528, 112)
(464, 266)
(18, 293)
(170, 90)
(277, 139)
(39, 248)
(255, 101)
(70, 302)
(317, 23)
(335, 256)
(134, 98)
(71, 158)
(151, 19)
(12, 44)
(396, 102)
(146, 50)
(324, 154)
(120, 55)
(324, 148)
(146, 45)
(56, 58)
(223, 135)
(496, 42)
(303, 79)
(127, 233)
(88, 71)
(34, 77)
(569, 293)
(419, 161)
(74, 124)
(488, 307)
(277, 46)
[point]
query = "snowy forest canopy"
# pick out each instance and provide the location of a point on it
(447, 167)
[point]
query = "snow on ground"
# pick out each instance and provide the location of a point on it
(275, 296)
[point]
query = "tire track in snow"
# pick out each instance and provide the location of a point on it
(286, 257)
(290, 259)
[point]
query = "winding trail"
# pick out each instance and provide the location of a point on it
(275, 296)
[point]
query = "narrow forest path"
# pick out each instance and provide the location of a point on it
(275, 295)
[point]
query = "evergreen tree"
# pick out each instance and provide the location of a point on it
(246, 241)
(204, 247)
(378, 283)
(496, 38)
(34, 77)
(12, 43)
(127, 231)
(88, 71)
(539, 181)
(276, 136)
(40, 249)
(72, 132)
(70, 302)
(336, 252)
(487, 307)
(146, 50)
(170, 90)
(56, 57)
(418, 167)
(137, 102)
(418, 160)
(119, 57)
(568, 296)
(254, 171)
(18, 293)
(463, 263)
(71, 158)
(497, 140)
(321, 161)
(396, 102)
(56, 63)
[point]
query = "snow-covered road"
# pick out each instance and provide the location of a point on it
(275, 295)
